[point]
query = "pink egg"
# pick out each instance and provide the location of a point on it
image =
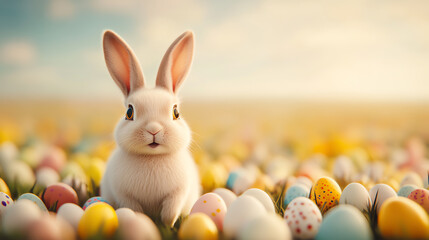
(213, 206)
(303, 217)
(60, 193)
(420, 196)
(54, 158)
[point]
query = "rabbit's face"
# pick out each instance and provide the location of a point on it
(152, 124)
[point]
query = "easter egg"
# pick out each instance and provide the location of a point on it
(57, 194)
(71, 213)
(294, 191)
(303, 217)
(50, 227)
(54, 158)
(92, 201)
(46, 176)
(99, 218)
(5, 202)
(403, 218)
(380, 193)
(421, 197)
(355, 194)
(304, 181)
(124, 214)
(240, 180)
(198, 226)
(17, 217)
(325, 193)
(262, 197)
(138, 226)
(412, 178)
(95, 171)
(344, 222)
(8, 153)
(213, 206)
(227, 196)
(213, 175)
(244, 209)
(20, 174)
(268, 226)
(405, 190)
(73, 170)
(79, 186)
(3, 187)
(34, 198)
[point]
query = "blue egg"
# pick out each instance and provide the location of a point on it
(231, 179)
(93, 200)
(344, 222)
(405, 190)
(295, 191)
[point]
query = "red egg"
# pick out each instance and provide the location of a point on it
(59, 193)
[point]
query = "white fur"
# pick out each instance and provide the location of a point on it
(162, 182)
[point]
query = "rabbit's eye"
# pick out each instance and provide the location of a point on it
(130, 113)
(176, 114)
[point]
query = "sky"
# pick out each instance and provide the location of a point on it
(246, 49)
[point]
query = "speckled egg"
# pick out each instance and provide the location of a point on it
(213, 206)
(262, 197)
(382, 192)
(402, 218)
(5, 201)
(17, 217)
(34, 198)
(93, 200)
(244, 209)
(405, 190)
(58, 194)
(303, 217)
(355, 194)
(267, 226)
(71, 213)
(325, 193)
(227, 195)
(294, 191)
(420, 196)
(344, 222)
(100, 218)
(198, 226)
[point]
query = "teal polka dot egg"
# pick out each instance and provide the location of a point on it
(92, 201)
(405, 190)
(294, 191)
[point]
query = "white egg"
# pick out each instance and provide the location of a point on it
(304, 181)
(71, 213)
(124, 214)
(8, 154)
(382, 192)
(5, 201)
(343, 168)
(20, 173)
(268, 226)
(355, 194)
(46, 176)
(17, 217)
(244, 209)
(262, 197)
(413, 179)
(227, 195)
(139, 227)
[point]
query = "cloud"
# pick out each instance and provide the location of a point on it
(61, 9)
(18, 52)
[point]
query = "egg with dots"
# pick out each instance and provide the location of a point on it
(5, 201)
(303, 218)
(32, 197)
(100, 218)
(402, 218)
(325, 193)
(344, 222)
(213, 206)
(405, 190)
(57, 194)
(92, 201)
(420, 196)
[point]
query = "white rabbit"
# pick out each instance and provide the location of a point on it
(151, 170)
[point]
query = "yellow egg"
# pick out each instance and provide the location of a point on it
(198, 226)
(213, 175)
(3, 187)
(403, 219)
(95, 170)
(325, 193)
(100, 218)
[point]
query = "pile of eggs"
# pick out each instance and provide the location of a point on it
(47, 192)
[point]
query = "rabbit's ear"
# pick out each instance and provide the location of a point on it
(176, 62)
(122, 63)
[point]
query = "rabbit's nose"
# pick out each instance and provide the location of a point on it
(153, 128)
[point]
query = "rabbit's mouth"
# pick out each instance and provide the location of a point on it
(153, 145)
